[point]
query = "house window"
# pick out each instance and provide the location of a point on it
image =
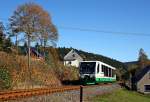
(73, 55)
(69, 62)
(147, 88)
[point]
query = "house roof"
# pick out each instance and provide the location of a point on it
(139, 75)
(72, 55)
(34, 51)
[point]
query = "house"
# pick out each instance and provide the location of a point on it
(72, 59)
(34, 53)
(141, 80)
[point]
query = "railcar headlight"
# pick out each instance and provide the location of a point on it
(91, 76)
(82, 76)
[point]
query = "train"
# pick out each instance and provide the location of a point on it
(95, 72)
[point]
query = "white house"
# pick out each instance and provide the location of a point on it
(72, 59)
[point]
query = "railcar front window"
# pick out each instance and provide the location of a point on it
(87, 67)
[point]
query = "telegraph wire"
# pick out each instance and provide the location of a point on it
(103, 31)
(96, 30)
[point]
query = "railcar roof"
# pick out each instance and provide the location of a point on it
(101, 63)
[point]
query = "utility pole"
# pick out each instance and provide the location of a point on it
(81, 93)
(29, 69)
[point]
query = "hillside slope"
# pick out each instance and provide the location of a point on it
(14, 73)
(121, 68)
(91, 56)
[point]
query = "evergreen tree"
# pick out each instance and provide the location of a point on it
(143, 58)
(2, 35)
(7, 45)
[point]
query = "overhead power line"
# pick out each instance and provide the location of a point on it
(103, 31)
(99, 31)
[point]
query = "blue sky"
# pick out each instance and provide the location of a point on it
(109, 15)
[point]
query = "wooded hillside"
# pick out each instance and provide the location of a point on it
(121, 67)
(91, 56)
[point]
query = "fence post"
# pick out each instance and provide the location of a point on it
(81, 93)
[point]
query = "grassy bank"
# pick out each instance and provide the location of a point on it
(122, 95)
(14, 72)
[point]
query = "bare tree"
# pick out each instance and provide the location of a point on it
(49, 34)
(31, 20)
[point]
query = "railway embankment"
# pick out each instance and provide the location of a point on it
(14, 72)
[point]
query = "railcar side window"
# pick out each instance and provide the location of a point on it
(109, 72)
(98, 68)
(113, 73)
(105, 71)
(102, 68)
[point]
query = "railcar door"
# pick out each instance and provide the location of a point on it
(98, 72)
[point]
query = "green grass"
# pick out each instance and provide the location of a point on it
(122, 95)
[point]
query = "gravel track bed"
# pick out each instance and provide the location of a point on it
(70, 96)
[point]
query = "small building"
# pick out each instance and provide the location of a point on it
(72, 59)
(36, 54)
(141, 80)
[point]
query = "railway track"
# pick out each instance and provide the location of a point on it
(15, 94)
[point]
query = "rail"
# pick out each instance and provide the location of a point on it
(10, 95)
(15, 94)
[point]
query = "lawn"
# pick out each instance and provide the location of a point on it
(122, 95)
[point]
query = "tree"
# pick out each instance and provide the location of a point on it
(5, 42)
(49, 34)
(14, 31)
(143, 59)
(2, 35)
(7, 45)
(37, 47)
(25, 47)
(34, 22)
